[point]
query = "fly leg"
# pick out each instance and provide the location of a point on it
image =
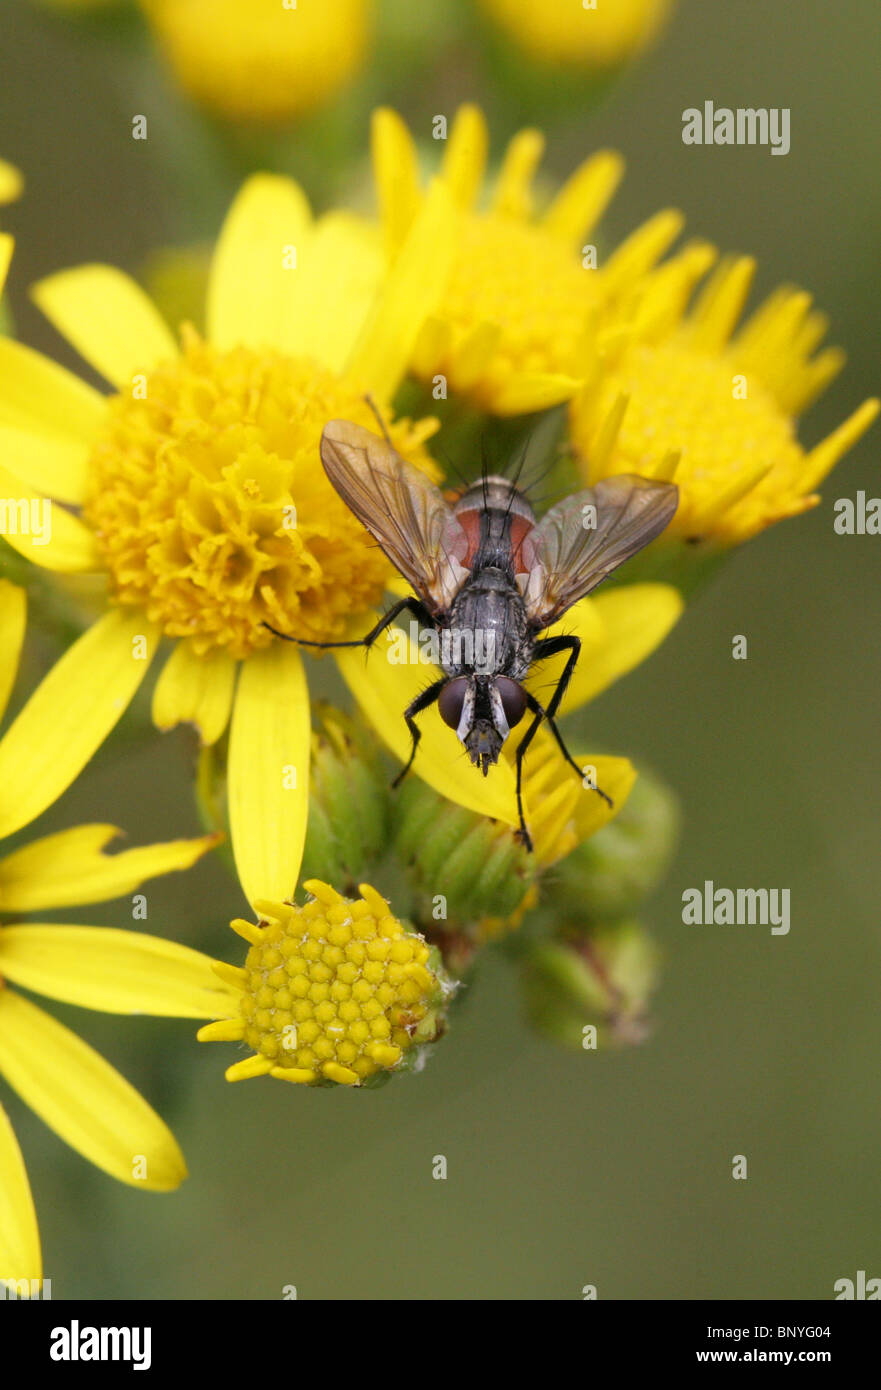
(539, 713)
(415, 707)
(550, 646)
(419, 611)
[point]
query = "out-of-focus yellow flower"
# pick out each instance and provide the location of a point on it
(725, 399)
(203, 496)
(61, 1078)
(11, 182)
(526, 287)
(335, 991)
(261, 61)
(580, 34)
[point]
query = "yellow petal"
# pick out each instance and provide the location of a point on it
(525, 392)
(395, 173)
(512, 195)
(823, 458)
(13, 617)
(11, 182)
(44, 532)
(464, 160)
(38, 395)
(635, 620)
(109, 319)
(20, 1256)
(584, 196)
(413, 290)
(71, 713)
(85, 1100)
(69, 868)
(50, 464)
(614, 776)
(195, 690)
(338, 274)
(251, 288)
(269, 749)
(383, 687)
(119, 972)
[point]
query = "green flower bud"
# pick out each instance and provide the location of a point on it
(595, 991)
(461, 866)
(348, 802)
(610, 874)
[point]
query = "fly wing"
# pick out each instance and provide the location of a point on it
(401, 509)
(584, 538)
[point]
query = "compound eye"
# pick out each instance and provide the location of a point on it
(513, 698)
(451, 700)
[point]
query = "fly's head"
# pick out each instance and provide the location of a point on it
(483, 710)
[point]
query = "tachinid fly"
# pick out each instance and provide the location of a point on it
(489, 580)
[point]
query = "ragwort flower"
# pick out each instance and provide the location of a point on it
(688, 393)
(334, 992)
(203, 498)
(522, 298)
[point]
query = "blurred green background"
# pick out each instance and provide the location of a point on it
(564, 1169)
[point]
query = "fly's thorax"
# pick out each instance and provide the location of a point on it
(487, 630)
(497, 494)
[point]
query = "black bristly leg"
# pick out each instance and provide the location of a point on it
(415, 707)
(551, 646)
(418, 609)
(539, 713)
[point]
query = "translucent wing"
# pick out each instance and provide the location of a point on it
(583, 539)
(400, 508)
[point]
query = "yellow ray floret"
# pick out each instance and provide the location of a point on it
(337, 990)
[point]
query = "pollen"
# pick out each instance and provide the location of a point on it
(211, 506)
(337, 990)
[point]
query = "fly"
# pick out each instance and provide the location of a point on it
(489, 580)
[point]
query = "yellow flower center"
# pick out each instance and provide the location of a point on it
(525, 282)
(213, 511)
(726, 425)
(337, 989)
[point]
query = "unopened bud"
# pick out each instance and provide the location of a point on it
(593, 992)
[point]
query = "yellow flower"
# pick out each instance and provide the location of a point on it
(63, 1080)
(727, 399)
(335, 991)
(261, 61)
(203, 497)
(11, 182)
(524, 293)
(593, 34)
